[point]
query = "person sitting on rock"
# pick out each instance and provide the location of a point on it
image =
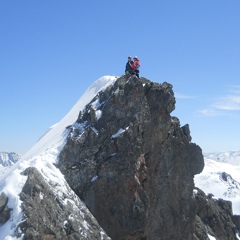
(130, 66)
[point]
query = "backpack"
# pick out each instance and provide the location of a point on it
(137, 63)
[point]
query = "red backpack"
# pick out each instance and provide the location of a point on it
(136, 62)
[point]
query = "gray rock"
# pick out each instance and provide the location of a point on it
(137, 182)
(132, 165)
(4, 210)
(216, 217)
(48, 216)
(236, 221)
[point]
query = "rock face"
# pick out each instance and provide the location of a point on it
(48, 216)
(216, 216)
(4, 210)
(133, 164)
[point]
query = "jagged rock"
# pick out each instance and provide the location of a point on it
(4, 210)
(236, 221)
(200, 229)
(216, 216)
(134, 166)
(49, 216)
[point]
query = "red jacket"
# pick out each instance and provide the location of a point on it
(136, 63)
(132, 64)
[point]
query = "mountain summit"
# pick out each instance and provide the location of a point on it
(118, 166)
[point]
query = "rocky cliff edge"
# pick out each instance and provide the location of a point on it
(129, 167)
(133, 164)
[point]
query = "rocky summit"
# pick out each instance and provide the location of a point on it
(133, 164)
(129, 168)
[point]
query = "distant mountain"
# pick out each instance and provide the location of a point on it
(232, 157)
(7, 159)
(221, 177)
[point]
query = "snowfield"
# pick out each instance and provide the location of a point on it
(221, 177)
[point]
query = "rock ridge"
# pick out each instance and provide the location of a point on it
(49, 216)
(129, 167)
(132, 163)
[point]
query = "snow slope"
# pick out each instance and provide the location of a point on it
(7, 159)
(221, 177)
(43, 155)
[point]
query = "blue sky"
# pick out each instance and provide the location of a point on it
(51, 51)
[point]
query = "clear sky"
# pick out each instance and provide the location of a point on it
(52, 51)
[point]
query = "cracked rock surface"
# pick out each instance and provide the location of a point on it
(134, 165)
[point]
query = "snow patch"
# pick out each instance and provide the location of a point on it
(215, 178)
(95, 130)
(94, 178)
(119, 132)
(195, 192)
(96, 104)
(238, 235)
(41, 195)
(211, 237)
(98, 114)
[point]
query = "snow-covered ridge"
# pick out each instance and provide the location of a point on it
(58, 132)
(232, 157)
(8, 158)
(221, 177)
(43, 155)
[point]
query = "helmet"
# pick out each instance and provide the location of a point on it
(135, 57)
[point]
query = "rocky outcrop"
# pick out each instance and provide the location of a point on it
(133, 164)
(49, 216)
(4, 209)
(216, 216)
(130, 163)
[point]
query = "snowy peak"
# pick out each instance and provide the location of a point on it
(7, 159)
(233, 186)
(221, 177)
(231, 157)
(54, 138)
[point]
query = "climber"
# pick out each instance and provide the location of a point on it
(137, 65)
(130, 66)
